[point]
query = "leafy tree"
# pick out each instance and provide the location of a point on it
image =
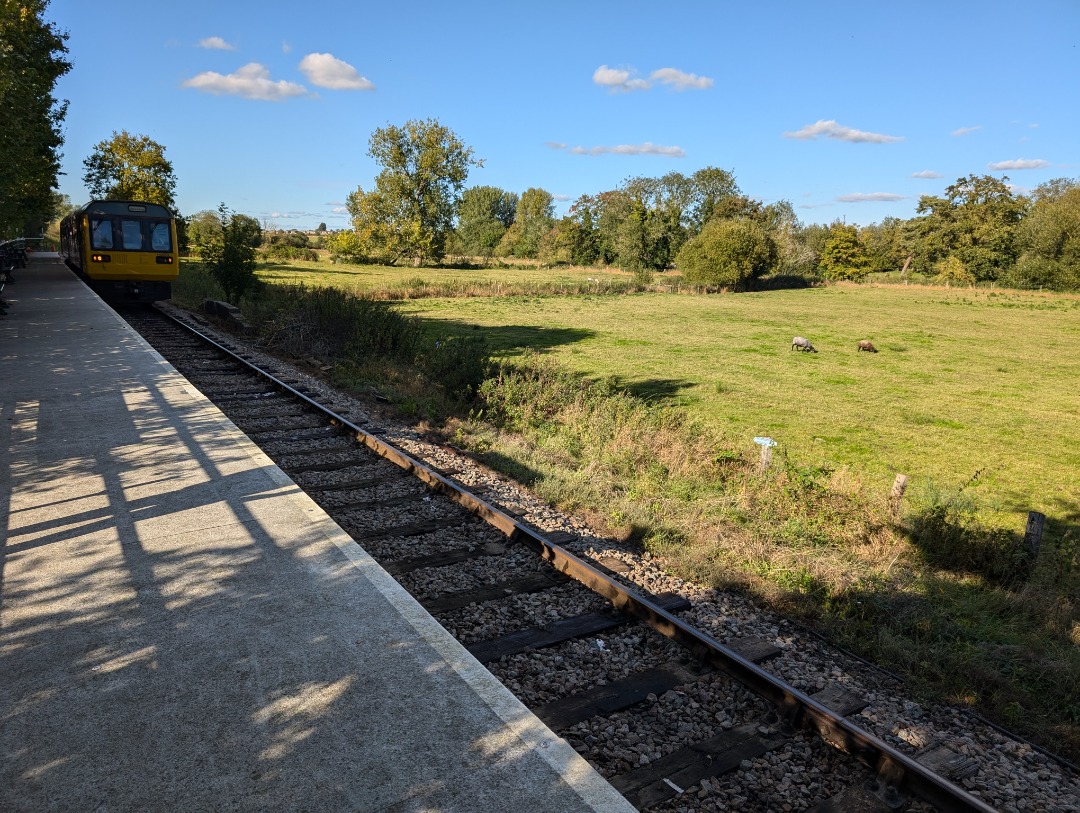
(410, 212)
(231, 258)
(844, 257)
(321, 228)
(32, 59)
(250, 231)
(130, 167)
(346, 246)
(715, 195)
(977, 222)
(203, 228)
(1050, 239)
(886, 243)
(727, 254)
(952, 271)
(535, 217)
(484, 215)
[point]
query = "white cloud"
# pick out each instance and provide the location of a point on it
(869, 197)
(618, 80)
(928, 174)
(327, 71)
(251, 82)
(1020, 163)
(680, 80)
(216, 44)
(830, 129)
(963, 131)
(648, 148)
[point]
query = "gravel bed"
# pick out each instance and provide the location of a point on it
(1010, 774)
(352, 458)
(269, 423)
(497, 618)
(413, 513)
(367, 469)
(472, 574)
(289, 446)
(471, 534)
(676, 719)
(557, 672)
(395, 489)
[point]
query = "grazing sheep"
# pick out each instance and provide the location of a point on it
(865, 345)
(799, 343)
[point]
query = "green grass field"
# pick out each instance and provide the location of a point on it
(973, 395)
(965, 383)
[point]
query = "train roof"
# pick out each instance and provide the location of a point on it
(123, 207)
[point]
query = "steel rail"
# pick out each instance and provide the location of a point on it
(893, 767)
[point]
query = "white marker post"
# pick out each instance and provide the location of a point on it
(766, 445)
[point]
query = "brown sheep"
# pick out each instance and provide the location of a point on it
(865, 345)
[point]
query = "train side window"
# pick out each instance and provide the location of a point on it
(159, 237)
(102, 233)
(132, 231)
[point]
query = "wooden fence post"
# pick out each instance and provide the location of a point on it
(899, 486)
(1033, 534)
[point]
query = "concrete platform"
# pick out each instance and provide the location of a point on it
(182, 629)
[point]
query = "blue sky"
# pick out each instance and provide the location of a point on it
(848, 110)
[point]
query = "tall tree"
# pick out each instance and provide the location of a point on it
(1050, 238)
(844, 257)
(410, 213)
(484, 215)
(231, 256)
(977, 222)
(32, 59)
(130, 167)
(728, 254)
(535, 217)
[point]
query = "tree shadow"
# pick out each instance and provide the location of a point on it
(504, 338)
(656, 389)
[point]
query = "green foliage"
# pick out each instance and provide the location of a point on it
(346, 246)
(32, 59)
(977, 222)
(951, 271)
(130, 167)
(459, 363)
(727, 254)
(944, 524)
(1050, 239)
(332, 324)
(231, 257)
(410, 212)
(484, 215)
(203, 228)
(533, 220)
(843, 256)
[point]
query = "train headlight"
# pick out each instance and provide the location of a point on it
(101, 258)
(164, 260)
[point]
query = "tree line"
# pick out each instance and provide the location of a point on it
(32, 58)
(419, 211)
(978, 231)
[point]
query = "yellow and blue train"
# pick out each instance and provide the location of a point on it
(125, 250)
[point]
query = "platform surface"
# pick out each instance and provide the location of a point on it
(183, 629)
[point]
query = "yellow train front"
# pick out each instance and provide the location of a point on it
(125, 250)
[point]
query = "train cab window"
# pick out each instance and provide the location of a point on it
(160, 237)
(132, 231)
(101, 231)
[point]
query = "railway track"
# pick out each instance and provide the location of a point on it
(668, 698)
